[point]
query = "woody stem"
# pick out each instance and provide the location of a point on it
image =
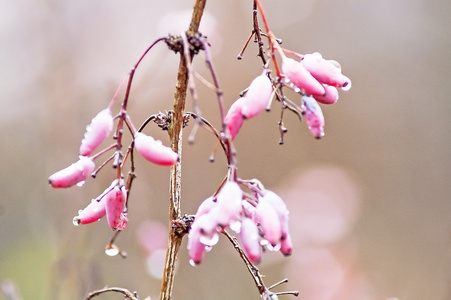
(175, 134)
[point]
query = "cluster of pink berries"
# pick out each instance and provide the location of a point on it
(112, 202)
(315, 78)
(260, 218)
(318, 80)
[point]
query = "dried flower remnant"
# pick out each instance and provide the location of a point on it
(74, 174)
(154, 151)
(96, 132)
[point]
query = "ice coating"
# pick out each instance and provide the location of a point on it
(228, 203)
(324, 71)
(268, 220)
(257, 97)
(281, 210)
(96, 132)
(154, 151)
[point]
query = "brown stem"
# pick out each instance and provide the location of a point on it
(175, 134)
(127, 294)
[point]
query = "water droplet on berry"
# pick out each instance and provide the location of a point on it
(235, 226)
(191, 262)
(81, 183)
(76, 221)
(273, 248)
(209, 240)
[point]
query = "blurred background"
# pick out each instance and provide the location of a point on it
(369, 203)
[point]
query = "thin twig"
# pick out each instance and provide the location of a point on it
(128, 295)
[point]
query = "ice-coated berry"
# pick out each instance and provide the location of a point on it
(96, 132)
(154, 151)
(74, 174)
(257, 96)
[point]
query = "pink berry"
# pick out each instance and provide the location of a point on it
(234, 118)
(301, 78)
(208, 228)
(228, 203)
(96, 132)
(91, 213)
(205, 207)
(115, 203)
(196, 249)
(250, 240)
(286, 247)
(74, 174)
(280, 208)
(154, 151)
(257, 96)
(268, 220)
(313, 116)
(325, 71)
(330, 97)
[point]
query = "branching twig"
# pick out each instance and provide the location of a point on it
(264, 291)
(128, 295)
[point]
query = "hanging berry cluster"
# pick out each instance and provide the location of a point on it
(257, 215)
